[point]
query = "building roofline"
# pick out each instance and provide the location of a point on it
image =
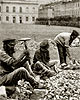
(19, 2)
(61, 2)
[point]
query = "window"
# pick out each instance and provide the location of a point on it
(27, 9)
(26, 18)
(14, 9)
(33, 18)
(7, 9)
(33, 8)
(14, 19)
(20, 19)
(78, 4)
(20, 9)
(0, 18)
(7, 18)
(0, 8)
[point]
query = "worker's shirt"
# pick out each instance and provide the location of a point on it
(9, 64)
(5, 66)
(5, 63)
(41, 56)
(63, 39)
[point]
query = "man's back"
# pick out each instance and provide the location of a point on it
(62, 38)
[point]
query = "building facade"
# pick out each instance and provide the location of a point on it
(62, 8)
(18, 11)
(45, 11)
(70, 8)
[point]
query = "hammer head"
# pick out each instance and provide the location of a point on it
(24, 39)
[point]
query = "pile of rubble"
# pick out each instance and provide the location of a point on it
(63, 86)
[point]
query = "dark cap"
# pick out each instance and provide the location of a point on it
(8, 40)
(75, 33)
(44, 44)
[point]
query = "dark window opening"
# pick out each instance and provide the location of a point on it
(14, 19)
(14, 9)
(20, 9)
(26, 18)
(0, 18)
(33, 18)
(7, 18)
(20, 19)
(7, 9)
(0, 8)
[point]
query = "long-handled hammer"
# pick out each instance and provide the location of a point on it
(24, 40)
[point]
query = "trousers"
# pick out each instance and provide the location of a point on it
(18, 74)
(62, 53)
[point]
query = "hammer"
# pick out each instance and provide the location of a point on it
(24, 40)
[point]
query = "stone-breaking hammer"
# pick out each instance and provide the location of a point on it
(24, 40)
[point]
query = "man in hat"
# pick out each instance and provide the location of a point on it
(12, 70)
(63, 42)
(41, 60)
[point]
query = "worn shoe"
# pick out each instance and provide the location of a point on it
(67, 67)
(63, 65)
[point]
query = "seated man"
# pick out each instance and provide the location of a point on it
(12, 70)
(41, 60)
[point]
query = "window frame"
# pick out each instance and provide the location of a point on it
(14, 19)
(0, 18)
(33, 18)
(7, 8)
(7, 18)
(20, 9)
(0, 8)
(27, 9)
(14, 9)
(27, 18)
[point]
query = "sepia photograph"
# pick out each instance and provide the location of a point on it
(39, 49)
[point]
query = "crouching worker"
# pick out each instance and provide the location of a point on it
(41, 60)
(12, 70)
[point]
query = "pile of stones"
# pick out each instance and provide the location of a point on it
(64, 86)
